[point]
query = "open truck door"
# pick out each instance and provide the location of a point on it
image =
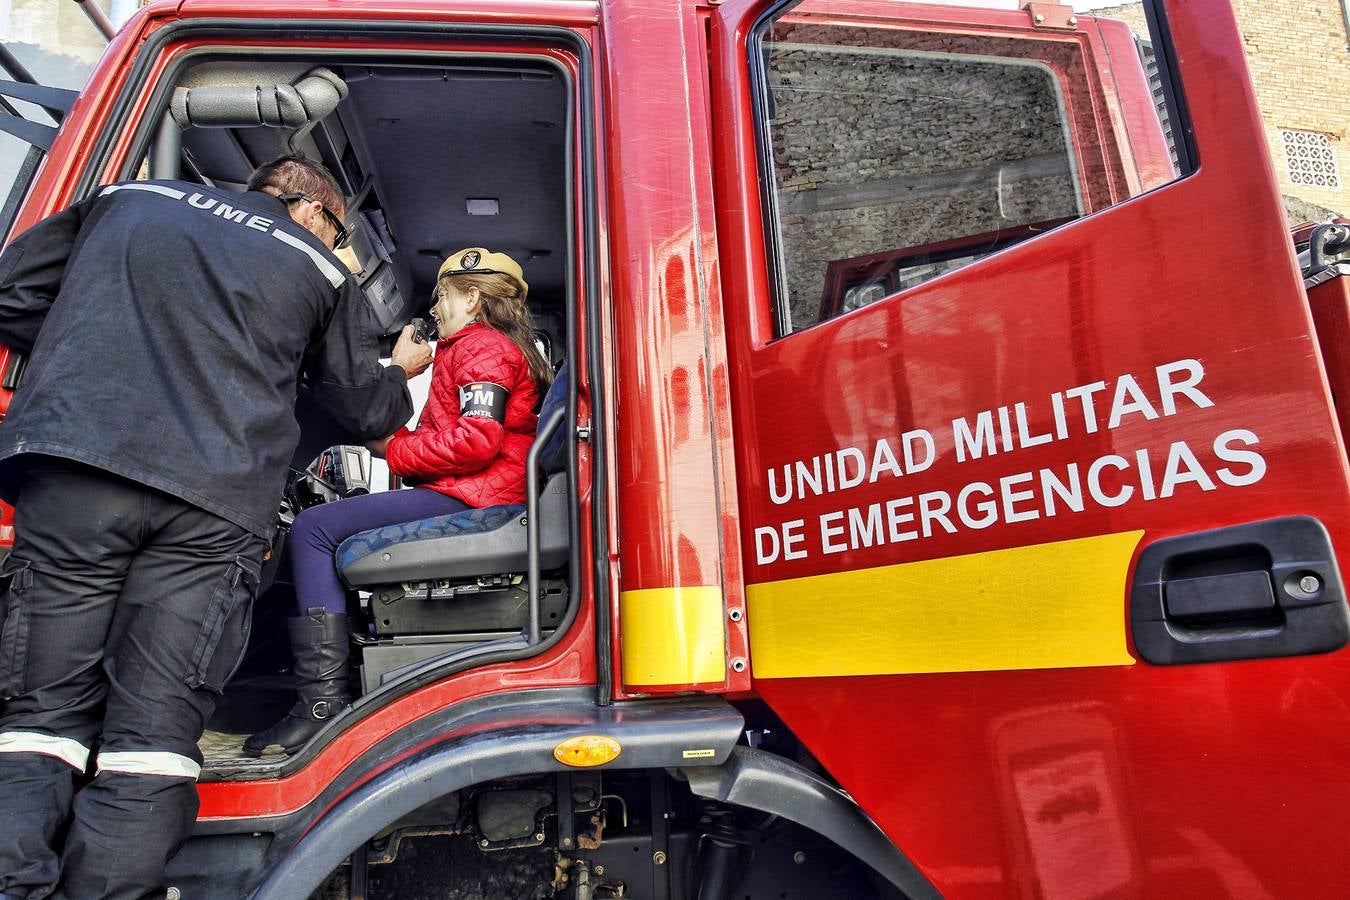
(1044, 508)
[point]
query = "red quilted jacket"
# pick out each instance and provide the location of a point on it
(477, 459)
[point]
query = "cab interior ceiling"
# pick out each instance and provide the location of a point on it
(427, 139)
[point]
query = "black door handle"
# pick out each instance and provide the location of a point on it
(1249, 591)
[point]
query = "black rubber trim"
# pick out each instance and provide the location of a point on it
(502, 742)
(769, 783)
(760, 105)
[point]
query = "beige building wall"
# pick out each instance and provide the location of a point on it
(58, 27)
(1300, 65)
(1298, 53)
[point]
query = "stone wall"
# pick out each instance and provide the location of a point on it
(881, 150)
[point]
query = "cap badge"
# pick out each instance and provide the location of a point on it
(470, 259)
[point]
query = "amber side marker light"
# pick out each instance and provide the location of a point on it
(587, 750)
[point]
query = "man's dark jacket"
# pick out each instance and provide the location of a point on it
(167, 325)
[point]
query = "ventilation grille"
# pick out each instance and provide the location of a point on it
(1311, 159)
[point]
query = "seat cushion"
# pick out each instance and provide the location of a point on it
(471, 521)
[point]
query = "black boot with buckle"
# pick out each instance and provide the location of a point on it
(319, 641)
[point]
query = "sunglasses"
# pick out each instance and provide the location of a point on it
(342, 236)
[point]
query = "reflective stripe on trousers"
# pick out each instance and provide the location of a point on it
(69, 751)
(149, 762)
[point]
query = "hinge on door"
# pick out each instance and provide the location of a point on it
(1050, 15)
(583, 432)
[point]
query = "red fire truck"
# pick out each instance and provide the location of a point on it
(951, 467)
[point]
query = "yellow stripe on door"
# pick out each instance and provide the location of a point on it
(672, 635)
(1046, 606)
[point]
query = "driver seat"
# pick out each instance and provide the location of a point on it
(461, 578)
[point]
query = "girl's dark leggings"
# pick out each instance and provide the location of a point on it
(319, 530)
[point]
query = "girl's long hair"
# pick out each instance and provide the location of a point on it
(502, 306)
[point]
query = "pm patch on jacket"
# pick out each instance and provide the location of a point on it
(483, 400)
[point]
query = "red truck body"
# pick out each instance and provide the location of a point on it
(918, 535)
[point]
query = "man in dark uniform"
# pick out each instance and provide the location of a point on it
(168, 326)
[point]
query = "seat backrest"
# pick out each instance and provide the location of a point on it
(553, 458)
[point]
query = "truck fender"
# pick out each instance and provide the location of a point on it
(518, 740)
(766, 782)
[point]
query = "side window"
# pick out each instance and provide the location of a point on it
(24, 142)
(905, 148)
(18, 164)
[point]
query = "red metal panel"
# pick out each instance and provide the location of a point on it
(673, 427)
(1124, 780)
(1129, 102)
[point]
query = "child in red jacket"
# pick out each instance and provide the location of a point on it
(467, 451)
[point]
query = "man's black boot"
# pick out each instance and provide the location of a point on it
(319, 641)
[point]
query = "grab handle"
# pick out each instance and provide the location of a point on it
(532, 517)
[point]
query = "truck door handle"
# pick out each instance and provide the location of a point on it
(1251, 591)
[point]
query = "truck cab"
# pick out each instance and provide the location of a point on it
(926, 504)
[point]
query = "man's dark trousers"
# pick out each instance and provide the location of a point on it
(127, 611)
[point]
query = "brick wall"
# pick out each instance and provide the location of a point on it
(1300, 66)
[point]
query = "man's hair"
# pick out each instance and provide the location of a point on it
(299, 175)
